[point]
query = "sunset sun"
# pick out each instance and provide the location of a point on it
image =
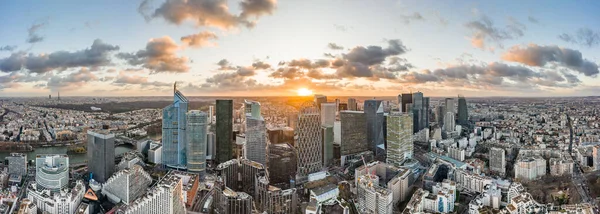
(304, 92)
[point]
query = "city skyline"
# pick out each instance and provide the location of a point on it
(289, 48)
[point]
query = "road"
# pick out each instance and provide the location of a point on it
(582, 185)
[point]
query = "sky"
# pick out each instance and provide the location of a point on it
(277, 47)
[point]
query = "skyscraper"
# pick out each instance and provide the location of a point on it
(308, 136)
(352, 104)
(374, 114)
(52, 171)
(449, 122)
(173, 131)
(224, 130)
(17, 163)
(319, 98)
(451, 106)
(327, 114)
(440, 113)
(211, 111)
(426, 113)
(463, 114)
(399, 138)
(353, 132)
(100, 155)
(196, 141)
(417, 109)
(498, 160)
(406, 99)
(256, 136)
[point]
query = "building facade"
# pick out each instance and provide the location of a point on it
(353, 132)
(17, 163)
(127, 185)
(256, 136)
(197, 122)
(463, 113)
(308, 136)
(52, 171)
(100, 155)
(174, 122)
(224, 130)
(374, 114)
(62, 202)
(399, 138)
(498, 160)
(165, 197)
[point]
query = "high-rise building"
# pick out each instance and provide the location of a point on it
(52, 171)
(256, 136)
(426, 112)
(449, 122)
(463, 113)
(308, 136)
(440, 113)
(498, 160)
(418, 111)
(211, 111)
(282, 163)
(352, 104)
(327, 145)
(353, 132)
(17, 163)
(450, 106)
(173, 131)
(399, 138)
(596, 157)
(319, 98)
(372, 198)
(127, 185)
(406, 99)
(101, 155)
(224, 130)
(165, 197)
(328, 114)
(374, 113)
(196, 141)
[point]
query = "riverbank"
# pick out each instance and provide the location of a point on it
(74, 159)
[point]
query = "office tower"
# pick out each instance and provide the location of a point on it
(166, 196)
(282, 163)
(272, 199)
(337, 104)
(308, 137)
(372, 198)
(426, 112)
(417, 105)
(327, 114)
(17, 164)
(52, 171)
(210, 114)
(319, 98)
(399, 138)
(400, 102)
(352, 104)
(353, 132)
(463, 113)
(374, 114)
(415, 115)
(498, 160)
(224, 130)
(449, 123)
(451, 106)
(327, 145)
(406, 99)
(66, 201)
(127, 185)
(256, 136)
(196, 141)
(173, 131)
(342, 107)
(440, 113)
(101, 155)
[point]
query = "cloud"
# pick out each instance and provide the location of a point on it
(33, 37)
(209, 13)
(407, 19)
(534, 55)
(584, 36)
(76, 79)
(124, 79)
(158, 56)
(375, 54)
(484, 31)
(8, 48)
(334, 46)
(341, 28)
(260, 65)
(200, 40)
(95, 56)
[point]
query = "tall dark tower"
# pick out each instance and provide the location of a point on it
(406, 99)
(570, 124)
(224, 130)
(463, 113)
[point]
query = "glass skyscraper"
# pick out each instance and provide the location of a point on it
(224, 130)
(101, 155)
(196, 141)
(463, 113)
(256, 136)
(374, 113)
(173, 131)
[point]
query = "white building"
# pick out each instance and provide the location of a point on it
(127, 185)
(471, 181)
(530, 168)
(166, 197)
(449, 122)
(63, 202)
(155, 153)
(52, 171)
(396, 178)
(456, 153)
(372, 198)
(596, 157)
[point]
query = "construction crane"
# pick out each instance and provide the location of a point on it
(368, 172)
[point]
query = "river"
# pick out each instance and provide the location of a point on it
(73, 158)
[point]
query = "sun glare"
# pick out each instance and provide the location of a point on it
(304, 92)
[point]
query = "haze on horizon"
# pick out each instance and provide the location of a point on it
(289, 48)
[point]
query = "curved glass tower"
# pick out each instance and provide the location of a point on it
(173, 131)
